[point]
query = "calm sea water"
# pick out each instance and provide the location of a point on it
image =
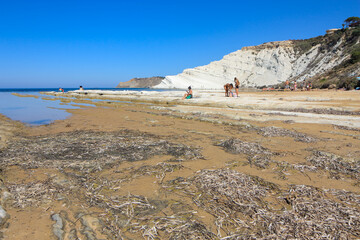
(36, 111)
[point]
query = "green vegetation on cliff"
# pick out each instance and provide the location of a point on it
(343, 75)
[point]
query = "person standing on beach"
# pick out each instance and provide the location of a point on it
(226, 87)
(287, 85)
(237, 85)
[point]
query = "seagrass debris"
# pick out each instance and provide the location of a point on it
(346, 197)
(237, 146)
(256, 154)
(326, 161)
(330, 111)
(335, 164)
(264, 131)
(240, 205)
(346, 128)
(130, 213)
(159, 170)
(138, 215)
(355, 136)
(8, 130)
(261, 158)
(78, 155)
(91, 151)
(178, 228)
(35, 193)
(281, 132)
(4, 199)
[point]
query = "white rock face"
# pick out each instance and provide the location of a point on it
(266, 64)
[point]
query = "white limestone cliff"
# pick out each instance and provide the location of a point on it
(266, 64)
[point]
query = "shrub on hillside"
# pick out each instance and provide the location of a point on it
(334, 38)
(306, 44)
(356, 32)
(355, 55)
(323, 83)
(348, 83)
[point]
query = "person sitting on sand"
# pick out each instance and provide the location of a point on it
(226, 87)
(237, 85)
(61, 90)
(81, 88)
(231, 86)
(188, 94)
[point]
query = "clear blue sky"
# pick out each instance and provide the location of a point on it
(101, 43)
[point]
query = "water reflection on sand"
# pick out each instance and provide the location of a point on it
(33, 109)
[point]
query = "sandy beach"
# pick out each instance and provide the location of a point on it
(148, 165)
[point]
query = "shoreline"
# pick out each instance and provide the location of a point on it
(322, 107)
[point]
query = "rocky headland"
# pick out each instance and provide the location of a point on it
(323, 60)
(141, 82)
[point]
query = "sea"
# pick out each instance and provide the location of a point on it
(38, 111)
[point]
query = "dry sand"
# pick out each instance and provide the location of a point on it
(287, 139)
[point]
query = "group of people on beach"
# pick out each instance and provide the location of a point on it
(229, 88)
(293, 86)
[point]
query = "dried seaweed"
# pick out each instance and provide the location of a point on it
(78, 155)
(176, 227)
(238, 202)
(315, 215)
(159, 170)
(90, 151)
(136, 214)
(32, 194)
(260, 161)
(335, 164)
(322, 111)
(346, 128)
(281, 132)
(237, 146)
(345, 196)
(242, 206)
(257, 155)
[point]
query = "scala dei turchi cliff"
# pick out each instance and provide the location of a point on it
(270, 63)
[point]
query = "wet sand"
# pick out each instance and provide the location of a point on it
(128, 170)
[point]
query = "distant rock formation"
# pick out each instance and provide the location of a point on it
(271, 63)
(141, 82)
